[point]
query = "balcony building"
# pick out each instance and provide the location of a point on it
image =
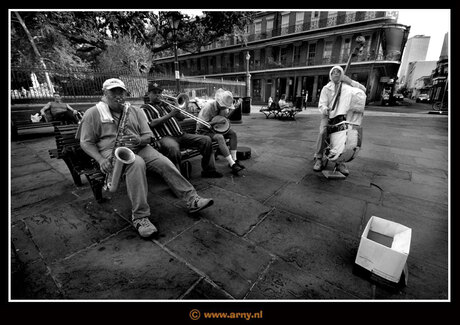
(439, 76)
(291, 52)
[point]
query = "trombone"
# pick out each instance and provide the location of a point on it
(180, 103)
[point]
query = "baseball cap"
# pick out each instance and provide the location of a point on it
(113, 83)
(154, 86)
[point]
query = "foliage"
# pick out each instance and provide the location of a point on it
(78, 38)
(126, 53)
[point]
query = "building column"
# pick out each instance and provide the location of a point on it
(315, 90)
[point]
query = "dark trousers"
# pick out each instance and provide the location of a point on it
(68, 117)
(171, 148)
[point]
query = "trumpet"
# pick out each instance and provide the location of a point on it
(181, 103)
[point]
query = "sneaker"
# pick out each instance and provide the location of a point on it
(239, 164)
(144, 227)
(211, 174)
(199, 204)
(342, 168)
(236, 168)
(318, 165)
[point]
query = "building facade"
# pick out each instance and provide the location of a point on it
(291, 52)
(416, 50)
(415, 70)
(439, 77)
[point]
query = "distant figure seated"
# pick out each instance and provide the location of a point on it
(60, 111)
(283, 104)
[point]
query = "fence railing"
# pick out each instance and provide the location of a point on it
(30, 85)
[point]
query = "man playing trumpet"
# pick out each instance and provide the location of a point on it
(222, 105)
(98, 135)
(162, 119)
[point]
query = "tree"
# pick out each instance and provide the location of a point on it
(77, 38)
(127, 54)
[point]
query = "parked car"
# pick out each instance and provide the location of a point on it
(398, 97)
(422, 98)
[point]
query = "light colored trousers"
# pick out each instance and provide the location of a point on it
(150, 160)
(233, 143)
(321, 141)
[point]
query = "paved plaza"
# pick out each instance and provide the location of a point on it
(280, 231)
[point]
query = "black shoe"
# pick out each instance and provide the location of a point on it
(236, 169)
(239, 164)
(211, 174)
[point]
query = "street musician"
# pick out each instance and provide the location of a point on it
(171, 138)
(222, 105)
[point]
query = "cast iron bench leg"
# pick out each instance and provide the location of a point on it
(76, 177)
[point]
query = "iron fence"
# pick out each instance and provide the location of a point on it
(36, 85)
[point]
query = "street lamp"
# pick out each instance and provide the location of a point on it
(248, 76)
(174, 24)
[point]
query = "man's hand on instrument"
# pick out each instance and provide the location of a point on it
(346, 79)
(105, 166)
(222, 121)
(175, 111)
(130, 140)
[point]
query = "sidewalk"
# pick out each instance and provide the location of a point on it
(279, 232)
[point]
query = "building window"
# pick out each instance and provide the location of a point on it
(350, 16)
(283, 55)
(327, 52)
(311, 53)
(299, 21)
(331, 18)
(345, 50)
(256, 88)
(269, 28)
(314, 23)
(284, 23)
(296, 55)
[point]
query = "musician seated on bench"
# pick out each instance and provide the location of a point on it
(222, 105)
(60, 111)
(163, 121)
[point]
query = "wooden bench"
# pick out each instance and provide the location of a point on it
(20, 127)
(68, 149)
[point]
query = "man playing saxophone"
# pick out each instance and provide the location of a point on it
(98, 135)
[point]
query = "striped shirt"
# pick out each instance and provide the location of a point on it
(169, 128)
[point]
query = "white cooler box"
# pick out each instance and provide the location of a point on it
(384, 248)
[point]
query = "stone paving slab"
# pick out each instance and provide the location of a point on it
(204, 290)
(316, 251)
(250, 185)
(355, 186)
(284, 281)
(36, 180)
(229, 261)
(321, 206)
(67, 228)
(426, 192)
(33, 168)
(123, 267)
(233, 211)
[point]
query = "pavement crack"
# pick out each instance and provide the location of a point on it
(381, 192)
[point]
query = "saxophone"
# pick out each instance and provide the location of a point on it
(120, 155)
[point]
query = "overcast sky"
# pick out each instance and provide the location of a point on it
(430, 22)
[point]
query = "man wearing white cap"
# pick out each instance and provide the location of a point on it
(97, 133)
(222, 105)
